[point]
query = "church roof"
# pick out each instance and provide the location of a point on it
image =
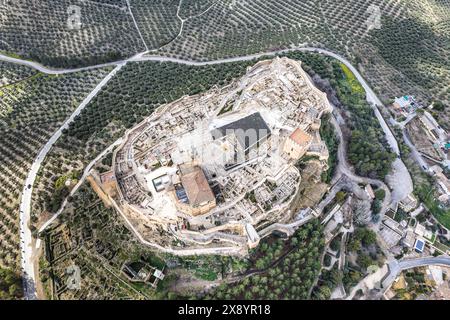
(196, 186)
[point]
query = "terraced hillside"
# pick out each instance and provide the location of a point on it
(30, 111)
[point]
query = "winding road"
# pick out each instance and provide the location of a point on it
(395, 267)
(344, 168)
(25, 206)
(26, 240)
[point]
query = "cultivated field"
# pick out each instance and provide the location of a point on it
(131, 95)
(141, 87)
(408, 54)
(46, 31)
(401, 45)
(11, 73)
(30, 111)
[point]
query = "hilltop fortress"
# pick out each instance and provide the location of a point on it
(215, 172)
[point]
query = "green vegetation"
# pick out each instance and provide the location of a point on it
(426, 194)
(10, 285)
(63, 185)
(32, 107)
(269, 251)
(341, 196)
(157, 20)
(367, 150)
(209, 268)
(226, 108)
(427, 65)
(425, 191)
(351, 278)
(328, 281)
(327, 260)
(335, 244)
(380, 194)
(229, 28)
(367, 146)
(362, 237)
(130, 96)
(363, 245)
(107, 32)
(139, 88)
(95, 239)
(439, 106)
(355, 86)
(416, 284)
(376, 207)
(289, 277)
(12, 73)
(329, 136)
(251, 196)
(401, 215)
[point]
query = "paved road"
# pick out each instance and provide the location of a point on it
(26, 243)
(25, 206)
(47, 70)
(395, 267)
(86, 173)
(289, 229)
(344, 168)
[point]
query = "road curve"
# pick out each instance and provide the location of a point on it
(399, 169)
(51, 71)
(25, 206)
(86, 173)
(26, 243)
(396, 267)
(344, 168)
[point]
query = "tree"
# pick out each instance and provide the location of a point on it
(380, 194)
(340, 196)
(10, 285)
(354, 245)
(324, 293)
(364, 260)
(438, 106)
